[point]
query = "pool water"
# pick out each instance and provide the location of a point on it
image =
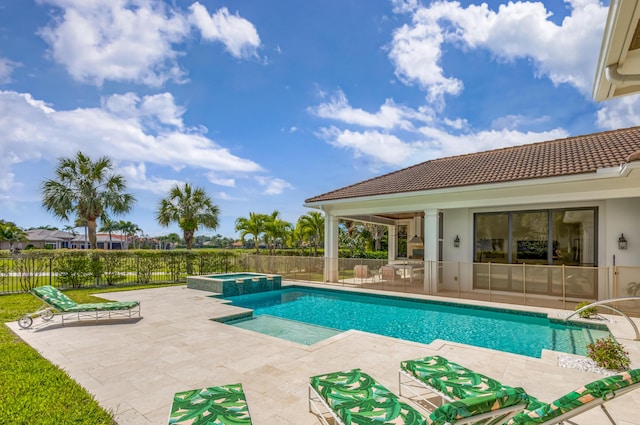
(415, 320)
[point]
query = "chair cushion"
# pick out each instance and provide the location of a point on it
(224, 405)
(357, 398)
(452, 412)
(464, 384)
(54, 297)
(604, 388)
(106, 306)
(428, 366)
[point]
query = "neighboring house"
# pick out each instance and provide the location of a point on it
(57, 239)
(572, 202)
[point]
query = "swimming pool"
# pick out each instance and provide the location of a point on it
(416, 320)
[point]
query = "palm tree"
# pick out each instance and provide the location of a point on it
(190, 208)
(129, 230)
(88, 189)
(274, 229)
(296, 235)
(11, 233)
(109, 227)
(254, 226)
(313, 223)
(71, 230)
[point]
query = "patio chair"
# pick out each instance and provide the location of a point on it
(594, 394)
(388, 274)
(57, 303)
(450, 381)
(435, 375)
(223, 405)
(353, 397)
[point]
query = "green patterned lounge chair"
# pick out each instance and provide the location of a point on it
(223, 405)
(353, 398)
(448, 380)
(57, 303)
(594, 394)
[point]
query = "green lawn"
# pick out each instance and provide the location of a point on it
(34, 391)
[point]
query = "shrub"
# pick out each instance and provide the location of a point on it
(609, 354)
(74, 268)
(587, 313)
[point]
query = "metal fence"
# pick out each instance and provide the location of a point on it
(536, 285)
(75, 269)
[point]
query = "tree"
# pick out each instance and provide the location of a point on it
(377, 232)
(313, 224)
(88, 189)
(190, 208)
(275, 229)
(297, 235)
(71, 230)
(11, 233)
(129, 230)
(254, 226)
(109, 227)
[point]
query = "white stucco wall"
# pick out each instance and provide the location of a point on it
(621, 216)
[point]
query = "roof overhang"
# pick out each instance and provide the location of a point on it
(606, 183)
(618, 69)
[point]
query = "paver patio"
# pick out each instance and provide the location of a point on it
(134, 368)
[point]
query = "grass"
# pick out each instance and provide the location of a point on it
(34, 391)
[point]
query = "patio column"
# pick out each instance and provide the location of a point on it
(431, 247)
(392, 240)
(330, 248)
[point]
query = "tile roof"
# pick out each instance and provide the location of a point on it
(562, 157)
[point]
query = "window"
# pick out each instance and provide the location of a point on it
(559, 237)
(491, 237)
(523, 237)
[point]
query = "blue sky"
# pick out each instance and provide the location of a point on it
(267, 103)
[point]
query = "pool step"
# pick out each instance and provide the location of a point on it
(291, 330)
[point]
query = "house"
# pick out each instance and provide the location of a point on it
(499, 219)
(57, 239)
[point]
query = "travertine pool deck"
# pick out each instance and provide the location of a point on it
(134, 368)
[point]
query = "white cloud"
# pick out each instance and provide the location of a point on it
(389, 116)
(155, 110)
(564, 53)
(514, 121)
(438, 144)
(229, 182)
(6, 68)
(135, 40)
(431, 143)
(382, 147)
(404, 6)
(136, 177)
(238, 35)
(619, 113)
(119, 40)
(273, 186)
(31, 130)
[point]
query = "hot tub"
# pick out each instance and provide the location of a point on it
(230, 284)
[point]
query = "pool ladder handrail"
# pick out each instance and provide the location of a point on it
(603, 303)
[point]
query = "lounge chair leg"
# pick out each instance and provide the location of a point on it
(606, 412)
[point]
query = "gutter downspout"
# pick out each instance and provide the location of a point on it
(620, 80)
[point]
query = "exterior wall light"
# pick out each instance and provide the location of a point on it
(622, 242)
(456, 242)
